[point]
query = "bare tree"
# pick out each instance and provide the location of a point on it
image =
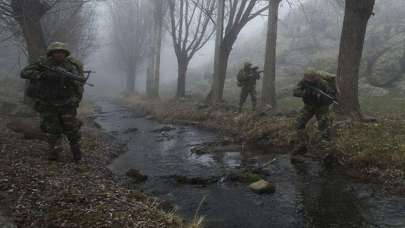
(23, 20)
(269, 79)
(238, 14)
(357, 14)
(190, 30)
(72, 22)
(130, 26)
(158, 11)
(26, 15)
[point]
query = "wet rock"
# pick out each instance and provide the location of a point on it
(202, 181)
(28, 127)
(215, 147)
(163, 129)
(7, 107)
(5, 222)
(149, 117)
(166, 206)
(262, 187)
(136, 175)
(243, 177)
(131, 130)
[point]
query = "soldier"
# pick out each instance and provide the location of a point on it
(57, 98)
(318, 92)
(247, 78)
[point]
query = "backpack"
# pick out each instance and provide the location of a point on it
(241, 77)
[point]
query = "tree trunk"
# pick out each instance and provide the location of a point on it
(357, 14)
(181, 80)
(150, 73)
(158, 47)
(28, 14)
(269, 79)
(216, 92)
(131, 76)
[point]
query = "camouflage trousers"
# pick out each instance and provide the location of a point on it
(322, 116)
(59, 120)
(245, 92)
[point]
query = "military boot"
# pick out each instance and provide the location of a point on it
(55, 148)
(76, 152)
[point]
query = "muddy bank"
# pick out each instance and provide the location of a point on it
(374, 158)
(37, 193)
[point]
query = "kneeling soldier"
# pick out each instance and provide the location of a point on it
(318, 92)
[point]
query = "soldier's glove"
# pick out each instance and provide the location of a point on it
(39, 75)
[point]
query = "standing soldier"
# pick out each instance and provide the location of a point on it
(247, 78)
(57, 98)
(318, 92)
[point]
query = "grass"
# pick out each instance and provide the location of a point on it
(375, 150)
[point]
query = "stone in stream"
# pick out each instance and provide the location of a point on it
(29, 127)
(262, 186)
(202, 181)
(136, 175)
(163, 129)
(131, 130)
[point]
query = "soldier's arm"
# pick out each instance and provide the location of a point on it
(299, 90)
(32, 72)
(78, 87)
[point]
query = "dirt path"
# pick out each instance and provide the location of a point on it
(42, 194)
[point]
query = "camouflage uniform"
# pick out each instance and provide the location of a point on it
(57, 100)
(315, 104)
(247, 78)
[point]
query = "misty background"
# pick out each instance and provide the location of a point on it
(309, 34)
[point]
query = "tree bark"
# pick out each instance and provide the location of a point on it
(131, 76)
(149, 74)
(158, 46)
(216, 93)
(269, 78)
(28, 14)
(181, 79)
(357, 14)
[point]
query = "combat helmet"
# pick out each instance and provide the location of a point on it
(311, 75)
(58, 46)
(247, 65)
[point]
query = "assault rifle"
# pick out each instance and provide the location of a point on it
(255, 69)
(333, 99)
(68, 75)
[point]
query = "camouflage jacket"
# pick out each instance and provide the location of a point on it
(247, 77)
(53, 89)
(312, 97)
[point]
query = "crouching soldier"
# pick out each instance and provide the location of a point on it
(247, 78)
(57, 98)
(318, 92)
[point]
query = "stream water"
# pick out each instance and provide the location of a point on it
(306, 195)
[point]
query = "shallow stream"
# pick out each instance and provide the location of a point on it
(306, 194)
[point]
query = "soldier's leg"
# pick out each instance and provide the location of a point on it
(51, 126)
(306, 113)
(71, 128)
(253, 97)
(243, 95)
(324, 122)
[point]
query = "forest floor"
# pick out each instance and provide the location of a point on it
(370, 152)
(37, 193)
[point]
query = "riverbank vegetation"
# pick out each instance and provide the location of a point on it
(372, 152)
